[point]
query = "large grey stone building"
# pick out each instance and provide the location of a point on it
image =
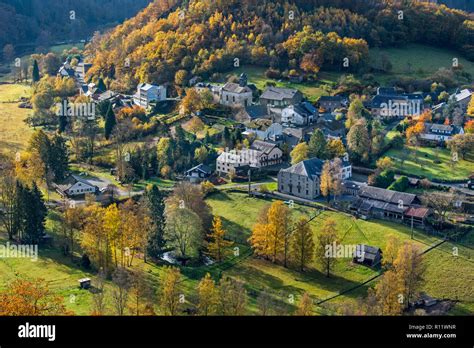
(302, 179)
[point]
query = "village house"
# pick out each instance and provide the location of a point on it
(260, 154)
(253, 112)
(81, 70)
(462, 99)
(198, 173)
(148, 93)
(301, 114)
(303, 179)
(66, 70)
(389, 205)
(440, 133)
(237, 94)
(332, 103)
(367, 255)
(389, 104)
(75, 186)
(263, 129)
(279, 98)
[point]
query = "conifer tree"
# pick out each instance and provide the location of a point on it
(218, 246)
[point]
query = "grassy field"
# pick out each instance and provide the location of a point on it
(14, 133)
(430, 163)
(418, 60)
(311, 90)
(239, 214)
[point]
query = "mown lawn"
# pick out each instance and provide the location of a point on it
(311, 90)
(14, 133)
(446, 277)
(420, 60)
(240, 212)
(430, 163)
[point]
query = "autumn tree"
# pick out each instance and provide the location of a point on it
(389, 294)
(410, 269)
(208, 296)
(233, 297)
(330, 180)
(302, 244)
(326, 239)
(170, 300)
(441, 203)
(217, 246)
(299, 153)
(140, 301)
(271, 234)
(191, 197)
(391, 251)
(71, 225)
(305, 306)
(335, 148)
(24, 297)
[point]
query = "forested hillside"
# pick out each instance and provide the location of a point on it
(205, 36)
(41, 21)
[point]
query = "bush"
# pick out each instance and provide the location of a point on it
(273, 74)
(401, 184)
(383, 179)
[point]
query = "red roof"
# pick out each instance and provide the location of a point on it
(417, 212)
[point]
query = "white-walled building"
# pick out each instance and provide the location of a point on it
(260, 154)
(147, 93)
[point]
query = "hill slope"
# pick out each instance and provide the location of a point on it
(206, 36)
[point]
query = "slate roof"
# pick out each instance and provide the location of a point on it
(256, 111)
(386, 91)
(399, 98)
(465, 93)
(369, 252)
(202, 168)
(236, 88)
(146, 86)
(328, 98)
(309, 168)
(304, 109)
(433, 127)
(70, 181)
(387, 196)
(278, 93)
(263, 146)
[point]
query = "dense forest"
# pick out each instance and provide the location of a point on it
(205, 37)
(466, 5)
(40, 22)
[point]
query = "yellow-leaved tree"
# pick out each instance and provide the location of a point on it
(218, 247)
(326, 239)
(302, 244)
(208, 296)
(305, 306)
(170, 301)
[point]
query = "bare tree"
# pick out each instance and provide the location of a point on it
(121, 279)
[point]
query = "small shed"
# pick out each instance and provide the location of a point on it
(85, 283)
(367, 255)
